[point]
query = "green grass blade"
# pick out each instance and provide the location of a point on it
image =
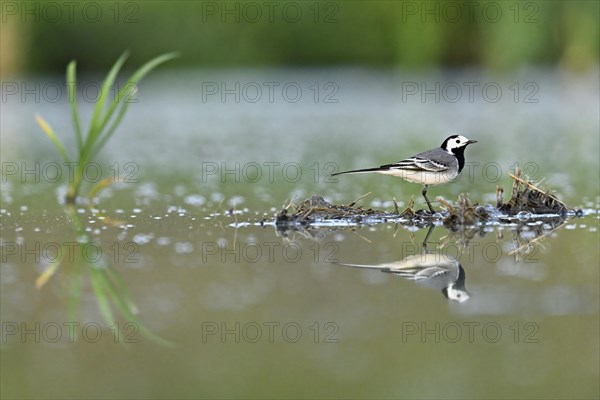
(100, 289)
(97, 118)
(122, 98)
(48, 131)
(71, 88)
(142, 72)
(112, 128)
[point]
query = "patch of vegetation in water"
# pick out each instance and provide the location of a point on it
(527, 201)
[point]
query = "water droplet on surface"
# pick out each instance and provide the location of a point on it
(183, 247)
(142, 238)
(194, 200)
(163, 241)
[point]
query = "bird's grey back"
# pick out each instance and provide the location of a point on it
(440, 155)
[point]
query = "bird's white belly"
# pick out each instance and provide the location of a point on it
(422, 177)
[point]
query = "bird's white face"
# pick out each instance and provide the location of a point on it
(457, 294)
(455, 142)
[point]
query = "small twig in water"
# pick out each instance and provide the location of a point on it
(359, 199)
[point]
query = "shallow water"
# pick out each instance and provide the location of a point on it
(252, 311)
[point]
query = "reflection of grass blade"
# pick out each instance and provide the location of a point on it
(110, 287)
(122, 289)
(100, 289)
(121, 299)
(107, 285)
(48, 131)
(144, 330)
(75, 295)
(47, 274)
(71, 87)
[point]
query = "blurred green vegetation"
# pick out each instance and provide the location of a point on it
(44, 36)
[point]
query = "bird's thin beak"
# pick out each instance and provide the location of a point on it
(471, 141)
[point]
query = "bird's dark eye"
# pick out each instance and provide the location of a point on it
(457, 141)
(458, 296)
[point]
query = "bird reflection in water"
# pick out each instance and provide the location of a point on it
(430, 269)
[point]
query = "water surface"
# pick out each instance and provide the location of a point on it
(251, 311)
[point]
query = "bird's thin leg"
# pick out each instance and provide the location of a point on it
(424, 244)
(424, 193)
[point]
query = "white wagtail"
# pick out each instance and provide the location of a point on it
(432, 270)
(431, 167)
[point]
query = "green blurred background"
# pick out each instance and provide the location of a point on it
(42, 36)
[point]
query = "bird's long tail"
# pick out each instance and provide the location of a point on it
(363, 266)
(357, 171)
(379, 267)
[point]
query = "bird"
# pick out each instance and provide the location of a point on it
(433, 270)
(431, 167)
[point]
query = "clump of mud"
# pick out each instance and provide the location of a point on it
(525, 197)
(317, 209)
(464, 212)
